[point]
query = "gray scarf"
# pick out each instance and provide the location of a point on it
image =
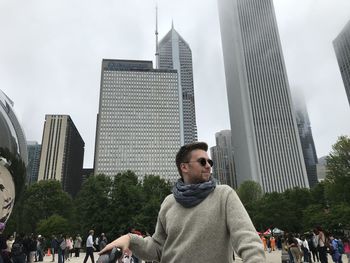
(189, 195)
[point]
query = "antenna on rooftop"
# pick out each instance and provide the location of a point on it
(157, 51)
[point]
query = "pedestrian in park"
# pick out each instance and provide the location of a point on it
(322, 248)
(346, 243)
(61, 248)
(77, 245)
(17, 251)
(90, 247)
(54, 246)
(293, 246)
(3, 244)
(200, 221)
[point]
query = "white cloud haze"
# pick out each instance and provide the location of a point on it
(51, 54)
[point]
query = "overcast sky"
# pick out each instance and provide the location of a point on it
(51, 54)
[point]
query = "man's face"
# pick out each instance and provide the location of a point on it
(193, 172)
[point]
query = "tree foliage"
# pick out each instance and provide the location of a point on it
(40, 201)
(54, 225)
(338, 172)
(114, 205)
(249, 192)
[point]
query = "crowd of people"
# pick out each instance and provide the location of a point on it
(310, 247)
(32, 248)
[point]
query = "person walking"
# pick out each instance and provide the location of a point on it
(322, 248)
(77, 245)
(61, 248)
(54, 247)
(199, 222)
(90, 247)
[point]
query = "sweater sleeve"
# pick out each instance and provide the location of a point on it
(150, 248)
(244, 238)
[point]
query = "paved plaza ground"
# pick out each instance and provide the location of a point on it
(273, 257)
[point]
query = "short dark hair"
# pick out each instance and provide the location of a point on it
(184, 154)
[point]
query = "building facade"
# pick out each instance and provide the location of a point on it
(175, 53)
(341, 46)
(306, 139)
(12, 136)
(62, 153)
(34, 150)
(222, 155)
(264, 132)
(138, 123)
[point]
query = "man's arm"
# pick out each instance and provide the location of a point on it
(122, 242)
(244, 238)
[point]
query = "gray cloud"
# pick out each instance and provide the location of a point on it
(51, 53)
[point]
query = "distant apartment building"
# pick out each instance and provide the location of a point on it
(264, 132)
(342, 50)
(34, 150)
(138, 123)
(306, 138)
(86, 173)
(62, 153)
(222, 155)
(175, 53)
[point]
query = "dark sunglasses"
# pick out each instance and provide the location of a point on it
(203, 162)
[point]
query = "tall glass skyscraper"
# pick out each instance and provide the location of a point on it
(138, 123)
(34, 150)
(342, 50)
(222, 155)
(306, 139)
(264, 132)
(175, 53)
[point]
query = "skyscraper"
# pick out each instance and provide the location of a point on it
(264, 133)
(306, 139)
(222, 155)
(138, 123)
(34, 150)
(62, 153)
(175, 53)
(342, 50)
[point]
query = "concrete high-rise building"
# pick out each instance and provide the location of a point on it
(34, 150)
(12, 136)
(175, 53)
(306, 139)
(264, 132)
(222, 155)
(62, 153)
(342, 50)
(138, 123)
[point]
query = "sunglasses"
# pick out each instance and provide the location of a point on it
(203, 162)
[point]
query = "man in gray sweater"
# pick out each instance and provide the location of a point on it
(199, 222)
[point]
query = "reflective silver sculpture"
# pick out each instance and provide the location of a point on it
(13, 142)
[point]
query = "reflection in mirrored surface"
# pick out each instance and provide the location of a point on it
(13, 147)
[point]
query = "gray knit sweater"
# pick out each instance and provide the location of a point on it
(207, 232)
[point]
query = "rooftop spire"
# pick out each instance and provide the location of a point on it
(157, 51)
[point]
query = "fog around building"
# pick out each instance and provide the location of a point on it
(51, 55)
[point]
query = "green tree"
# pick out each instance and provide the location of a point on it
(338, 172)
(92, 204)
(54, 225)
(154, 190)
(126, 203)
(249, 192)
(40, 201)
